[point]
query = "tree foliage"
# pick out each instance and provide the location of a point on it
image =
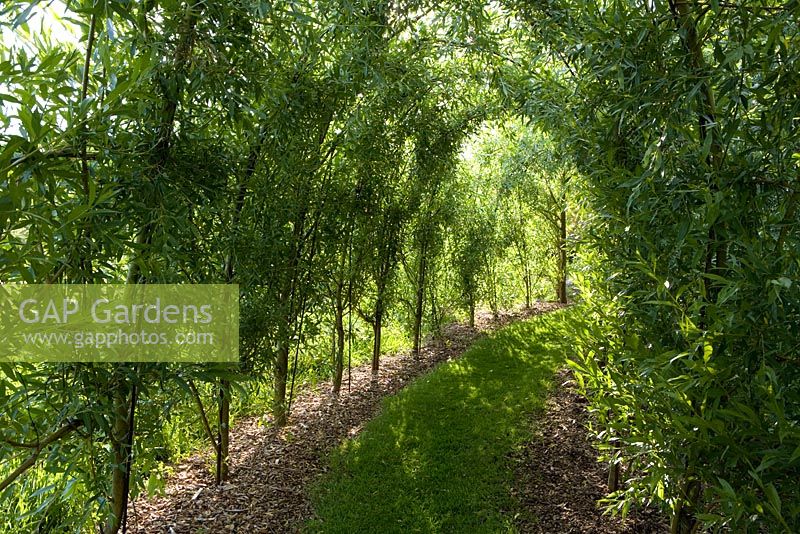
(366, 171)
(302, 150)
(679, 116)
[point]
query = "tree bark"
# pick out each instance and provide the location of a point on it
(472, 313)
(281, 374)
(562, 256)
(376, 340)
(526, 278)
(223, 430)
(121, 439)
(338, 370)
(491, 278)
(522, 253)
(289, 318)
(420, 299)
(436, 319)
(613, 476)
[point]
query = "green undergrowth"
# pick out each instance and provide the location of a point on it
(437, 457)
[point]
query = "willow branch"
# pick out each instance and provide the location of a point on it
(206, 426)
(60, 152)
(84, 93)
(30, 461)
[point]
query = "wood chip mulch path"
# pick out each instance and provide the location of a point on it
(272, 468)
(558, 480)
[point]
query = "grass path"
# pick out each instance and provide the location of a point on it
(437, 458)
(273, 468)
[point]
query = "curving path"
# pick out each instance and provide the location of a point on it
(271, 468)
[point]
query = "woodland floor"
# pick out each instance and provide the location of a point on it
(558, 480)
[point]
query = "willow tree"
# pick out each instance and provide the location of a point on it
(108, 190)
(680, 116)
(537, 178)
(438, 135)
(477, 242)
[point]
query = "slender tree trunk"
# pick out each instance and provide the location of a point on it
(436, 319)
(613, 476)
(281, 374)
(85, 258)
(122, 425)
(522, 252)
(527, 281)
(201, 411)
(293, 308)
(686, 506)
(121, 434)
(223, 430)
(224, 414)
(120, 437)
(336, 386)
(119, 431)
(339, 344)
(562, 257)
(376, 330)
(472, 313)
(688, 502)
(420, 299)
(281, 371)
(121, 440)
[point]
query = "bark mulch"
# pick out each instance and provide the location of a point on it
(272, 468)
(559, 481)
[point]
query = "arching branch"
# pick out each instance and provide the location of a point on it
(38, 447)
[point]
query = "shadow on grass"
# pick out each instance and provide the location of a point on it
(436, 458)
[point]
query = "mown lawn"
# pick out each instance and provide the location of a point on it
(436, 458)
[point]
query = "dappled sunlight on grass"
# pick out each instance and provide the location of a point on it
(435, 460)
